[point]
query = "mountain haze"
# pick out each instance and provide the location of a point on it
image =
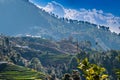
(20, 17)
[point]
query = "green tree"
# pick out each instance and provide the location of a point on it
(36, 64)
(92, 71)
(118, 71)
(73, 63)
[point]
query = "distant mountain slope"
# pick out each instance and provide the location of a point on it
(20, 17)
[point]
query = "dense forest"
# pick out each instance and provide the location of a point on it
(65, 59)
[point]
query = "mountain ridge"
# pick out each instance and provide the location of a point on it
(91, 15)
(24, 18)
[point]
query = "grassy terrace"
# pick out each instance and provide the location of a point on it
(13, 72)
(55, 59)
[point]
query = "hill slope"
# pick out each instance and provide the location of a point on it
(20, 17)
(10, 71)
(54, 58)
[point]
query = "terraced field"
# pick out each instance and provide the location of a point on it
(14, 72)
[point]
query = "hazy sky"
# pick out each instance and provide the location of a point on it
(108, 6)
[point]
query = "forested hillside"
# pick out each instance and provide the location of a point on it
(55, 58)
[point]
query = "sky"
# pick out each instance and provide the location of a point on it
(100, 12)
(108, 6)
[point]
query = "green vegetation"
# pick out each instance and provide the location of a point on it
(14, 72)
(89, 71)
(118, 71)
(54, 58)
(92, 71)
